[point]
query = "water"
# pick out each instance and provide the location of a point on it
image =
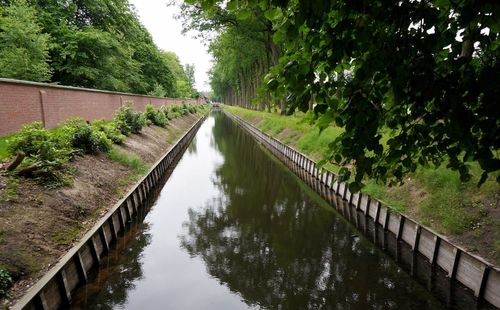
(234, 229)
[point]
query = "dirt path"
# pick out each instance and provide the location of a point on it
(39, 225)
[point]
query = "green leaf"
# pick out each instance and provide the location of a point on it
(232, 5)
(442, 3)
(243, 15)
(484, 177)
(273, 14)
(325, 120)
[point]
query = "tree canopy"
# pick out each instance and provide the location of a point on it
(412, 82)
(88, 43)
(23, 48)
(184, 76)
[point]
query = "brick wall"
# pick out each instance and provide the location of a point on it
(23, 102)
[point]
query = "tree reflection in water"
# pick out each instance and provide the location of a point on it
(279, 247)
(114, 283)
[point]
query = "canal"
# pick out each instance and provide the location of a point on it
(234, 229)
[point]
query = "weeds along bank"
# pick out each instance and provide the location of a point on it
(468, 215)
(55, 184)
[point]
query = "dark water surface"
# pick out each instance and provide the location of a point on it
(234, 229)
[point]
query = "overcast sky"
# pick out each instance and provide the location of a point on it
(158, 18)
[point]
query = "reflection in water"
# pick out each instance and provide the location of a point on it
(233, 229)
(279, 248)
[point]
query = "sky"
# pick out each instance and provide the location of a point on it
(158, 18)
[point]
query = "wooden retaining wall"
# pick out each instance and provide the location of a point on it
(473, 272)
(56, 288)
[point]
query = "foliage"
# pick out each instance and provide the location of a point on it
(4, 154)
(5, 281)
(128, 160)
(129, 121)
(110, 129)
(157, 117)
(172, 112)
(37, 142)
(93, 43)
(84, 137)
(425, 71)
(23, 48)
(158, 91)
(243, 50)
(46, 150)
(184, 84)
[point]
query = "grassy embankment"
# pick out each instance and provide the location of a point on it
(434, 196)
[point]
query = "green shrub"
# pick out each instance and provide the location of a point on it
(172, 112)
(41, 146)
(84, 137)
(5, 282)
(192, 109)
(110, 129)
(156, 117)
(184, 109)
(46, 153)
(129, 121)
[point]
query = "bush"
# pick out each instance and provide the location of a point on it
(46, 152)
(5, 282)
(156, 117)
(184, 109)
(129, 121)
(110, 129)
(172, 112)
(84, 137)
(37, 142)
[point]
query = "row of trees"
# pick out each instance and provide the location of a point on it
(88, 43)
(412, 82)
(243, 50)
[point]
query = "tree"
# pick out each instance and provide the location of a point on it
(93, 43)
(183, 87)
(422, 73)
(189, 71)
(243, 50)
(23, 48)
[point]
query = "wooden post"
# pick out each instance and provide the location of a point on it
(456, 258)
(63, 287)
(43, 95)
(377, 213)
(417, 239)
(479, 291)
(104, 239)
(93, 250)
(112, 227)
(401, 226)
(42, 301)
(435, 251)
(80, 267)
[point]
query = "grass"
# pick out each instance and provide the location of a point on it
(436, 196)
(128, 160)
(3, 147)
(12, 184)
(66, 235)
(303, 134)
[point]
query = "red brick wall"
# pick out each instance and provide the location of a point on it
(24, 102)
